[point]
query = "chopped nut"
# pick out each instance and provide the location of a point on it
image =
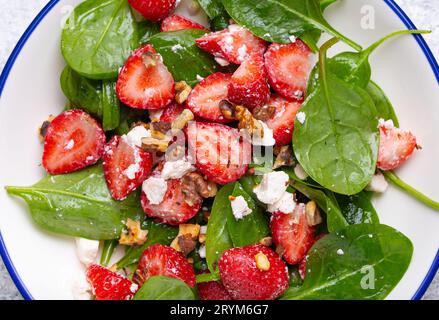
(190, 260)
(139, 123)
(262, 262)
(194, 184)
(182, 120)
(267, 241)
(248, 122)
(202, 238)
(159, 130)
(151, 144)
(186, 239)
(182, 91)
(284, 158)
(313, 216)
(133, 234)
(227, 109)
(264, 113)
(43, 129)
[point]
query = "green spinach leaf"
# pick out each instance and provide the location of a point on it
(326, 3)
(164, 288)
(363, 261)
(358, 208)
(213, 8)
(146, 30)
(107, 251)
(382, 103)
(98, 37)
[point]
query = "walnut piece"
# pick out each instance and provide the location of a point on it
(151, 144)
(133, 234)
(313, 216)
(227, 109)
(264, 113)
(182, 120)
(248, 122)
(186, 240)
(44, 126)
(284, 157)
(194, 185)
(182, 91)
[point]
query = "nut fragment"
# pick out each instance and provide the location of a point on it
(284, 158)
(227, 109)
(193, 183)
(262, 262)
(133, 234)
(150, 144)
(313, 216)
(43, 129)
(186, 240)
(264, 113)
(267, 241)
(182, 120)
(248, 122)
(182, 91)
(159, 130)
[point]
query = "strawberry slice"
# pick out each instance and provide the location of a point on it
(175, 209)
(205, 98)
(213, 290)
(396, 146)
(282, 123)
(303, 263)
(160, 260)
(144, 81)
(249, 85)
(171, 112)
(74, 140)
(292, 234)
(177, 22)
(220, 152)
(109, 285)
(253, 273)
(154, 10)
(288, 67)
(125, 167)
(234, 44)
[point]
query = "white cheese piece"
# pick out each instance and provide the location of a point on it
(135, 136)
(240, 207)
(301, 117)
(286, 204)
(300, 173)
(202, 251)
(87, 250)
(292, 39)
(272, 187)
(267, 140)
(155, 189)
(131, 171)
(340, 252)
(222, 62)
(378, 183)
(388, 124)
(81, 289)
(199, 78)
(176, 169)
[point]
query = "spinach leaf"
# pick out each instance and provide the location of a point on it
(213, 8)
(220, 22)
(98, 37)
(181, 55)
(107, 251)
(217, 238)
(278, 20)
(363, 261)
(97, 97)
(164, 288)
(358, 208)
(146, 30)
(382, 103)
(208, 277)
(326, 3)
(252, 228)
(157, 234)
(337, 145)
(248, 183)
(79, 205)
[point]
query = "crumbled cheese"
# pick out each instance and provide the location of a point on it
(240, 207)
(176, 169)
(70, 145)
(300, 172)
(86, 250)
(301, 117)
(131, 171)
(222, 62)
(340, 252)
(267, 140)
(272, 187)
(286, 204)
(135, 136)
(81, 289)
(292, 39)
(134, 287)
(388, 124)
(199, 78)
(155, 189)
(378, 183)
(176, 47)
(155, 114)
(202, 251)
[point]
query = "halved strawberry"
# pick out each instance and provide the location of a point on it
(213, 290)
(245, 279)
(303, 263)
(249, 85)
(125, 167)
(282, 123)
(292, 234)
(144, 81)
(171, 112)
(205, 98)
(160, 260)
(220, 152)
(396, 146)
(288, 67)
(177, 22)
(109, 285)
(154, 10)
(74, 140)
(234, 44)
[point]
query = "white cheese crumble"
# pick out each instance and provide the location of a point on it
(155, 189)
(388, 124)
(70, 145)
(86, 250)
(378, 183)
(135, 136)
(176, 47)
(340, 252)
(286, 204)
(267, 140)
(134, 287)
(300, 172)
(131, 171)
(222, 62)
(81, 289)
(301, 117)
(240, 207)
(272, 187)
(292, 39)
(202, 251)
(199, 78)
(176, 169)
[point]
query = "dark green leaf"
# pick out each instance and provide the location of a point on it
(382, 103)
(107, 251)
(164, 288)
(146, 30)
(358, 208)
(207, 277)
(326, 3)
(363, 261)
(213, 8)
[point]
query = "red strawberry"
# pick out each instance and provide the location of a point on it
(288, 67)
(108, 285)
(249, 86)
(171, 112)
(125, 167)
(160, 260)
(302, 264)
(213, 290)
(177, 22)
(235, 44)
(174, 209)
(154, 10)
(144, 81)
(205, 98)
(292, 234)
(244, 280)
(220, 153)
(396, 146)
(282, 122)
(74, 140)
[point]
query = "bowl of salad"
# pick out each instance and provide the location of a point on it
(220, 150)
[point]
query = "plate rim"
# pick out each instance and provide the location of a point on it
(49, 6)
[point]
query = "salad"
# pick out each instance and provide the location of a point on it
(225, 160)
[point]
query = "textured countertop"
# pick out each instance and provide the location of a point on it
(16, 15)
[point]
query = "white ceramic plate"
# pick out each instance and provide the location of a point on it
(43, 265)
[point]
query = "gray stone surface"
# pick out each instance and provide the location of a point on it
(16, 15)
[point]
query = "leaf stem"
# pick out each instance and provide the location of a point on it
(207, 277)
(107, 251)
(395, 180)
